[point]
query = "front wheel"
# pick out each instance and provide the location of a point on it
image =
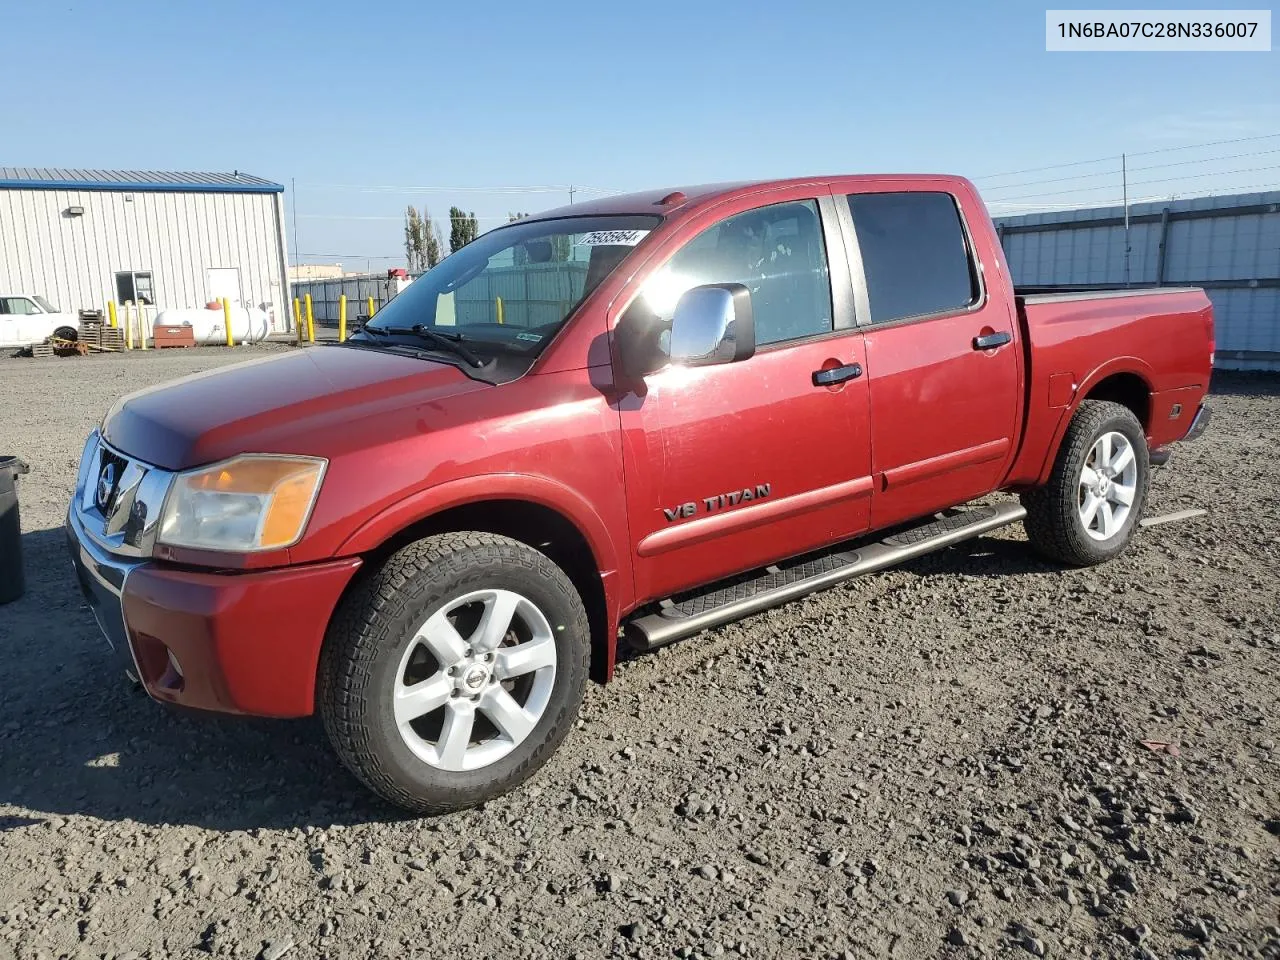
(67, 333)
(1090, 508)
(453, 672)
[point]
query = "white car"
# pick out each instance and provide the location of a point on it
(26, 319)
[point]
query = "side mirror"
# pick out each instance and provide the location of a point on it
(712, 324)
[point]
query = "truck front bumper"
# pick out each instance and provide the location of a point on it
(230, 642)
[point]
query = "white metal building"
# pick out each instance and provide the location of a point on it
(1230, 245)
(80, 238)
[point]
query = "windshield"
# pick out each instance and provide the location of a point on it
(510, 290)
(45, 305)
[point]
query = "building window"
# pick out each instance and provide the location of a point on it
(135, 287)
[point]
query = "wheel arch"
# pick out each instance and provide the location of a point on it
(533, 511)
(1123, 380)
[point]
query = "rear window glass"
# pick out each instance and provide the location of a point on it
(914, 253)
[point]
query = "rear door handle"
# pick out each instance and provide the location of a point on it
(990, 341)
(827, 378)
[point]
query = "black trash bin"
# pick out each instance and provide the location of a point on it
(12, 582)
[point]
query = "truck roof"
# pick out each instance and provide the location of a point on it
(698, 195)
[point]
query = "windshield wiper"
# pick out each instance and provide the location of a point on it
(422, 332)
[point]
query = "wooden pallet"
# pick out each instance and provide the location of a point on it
(98, 336)
(90, 332)
(41, 350)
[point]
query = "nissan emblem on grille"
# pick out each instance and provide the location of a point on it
(106, 486)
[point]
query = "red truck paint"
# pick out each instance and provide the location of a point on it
(933, 423)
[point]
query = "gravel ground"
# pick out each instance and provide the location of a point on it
(940, 760)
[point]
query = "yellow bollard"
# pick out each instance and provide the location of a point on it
(342, 318)
(297, 319)
(142, 326)
(128, 324)
(111, 313)
(499, 301)
(311, 322)
(371, 308)
(226, 319)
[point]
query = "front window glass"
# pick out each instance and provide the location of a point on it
(46, 306)
(19, 305)
(510, 290)
(776, 251)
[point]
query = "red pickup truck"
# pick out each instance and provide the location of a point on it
(627, 420)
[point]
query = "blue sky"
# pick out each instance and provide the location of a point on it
(360, 103)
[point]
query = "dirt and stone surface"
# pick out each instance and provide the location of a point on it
(941, 760)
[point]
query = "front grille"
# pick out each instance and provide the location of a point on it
(119, 504)
(108, 458)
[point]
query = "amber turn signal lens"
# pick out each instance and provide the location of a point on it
(254, 502)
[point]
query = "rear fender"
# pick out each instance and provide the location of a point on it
(1133, 365)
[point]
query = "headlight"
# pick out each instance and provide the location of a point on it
(241, 505)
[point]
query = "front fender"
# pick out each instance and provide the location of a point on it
(494, 486)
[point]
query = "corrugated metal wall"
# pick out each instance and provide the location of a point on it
(1228, 245)
(177, 237)
(325, 294)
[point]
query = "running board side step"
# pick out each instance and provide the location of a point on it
(676, 620)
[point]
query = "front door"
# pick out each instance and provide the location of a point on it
(18, 322)
(733, 467)
(944, 405)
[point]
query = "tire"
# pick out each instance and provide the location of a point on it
(1055, 521)
(67, 333)
(388, 654)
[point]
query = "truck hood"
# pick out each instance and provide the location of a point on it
(297, 402)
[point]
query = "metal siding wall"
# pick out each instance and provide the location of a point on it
(176, 236)
(1074, 249)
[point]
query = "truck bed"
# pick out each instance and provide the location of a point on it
(1042, 294)
(1081, 337)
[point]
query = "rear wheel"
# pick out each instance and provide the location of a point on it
(454, 671)
(1088, 511)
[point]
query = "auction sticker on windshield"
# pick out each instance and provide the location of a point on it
(611, 238)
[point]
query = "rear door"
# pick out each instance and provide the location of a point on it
(732, 467)
(942, 356)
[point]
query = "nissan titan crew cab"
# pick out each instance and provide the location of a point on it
(628, 420)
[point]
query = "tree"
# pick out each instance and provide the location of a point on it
(422, 240)
(463, 228)
(434, 242)
(415, 238)
(513, 217)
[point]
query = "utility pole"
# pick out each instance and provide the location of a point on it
(571, 193)
(1124, 186)
(293, 190)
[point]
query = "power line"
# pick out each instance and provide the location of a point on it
(396, 219)
(1150, 166)
(1139, 153)
(1134, 201)
(500, 189)
(1139, 183)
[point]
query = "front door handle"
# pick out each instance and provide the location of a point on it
(989, 341)
(828, 378)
